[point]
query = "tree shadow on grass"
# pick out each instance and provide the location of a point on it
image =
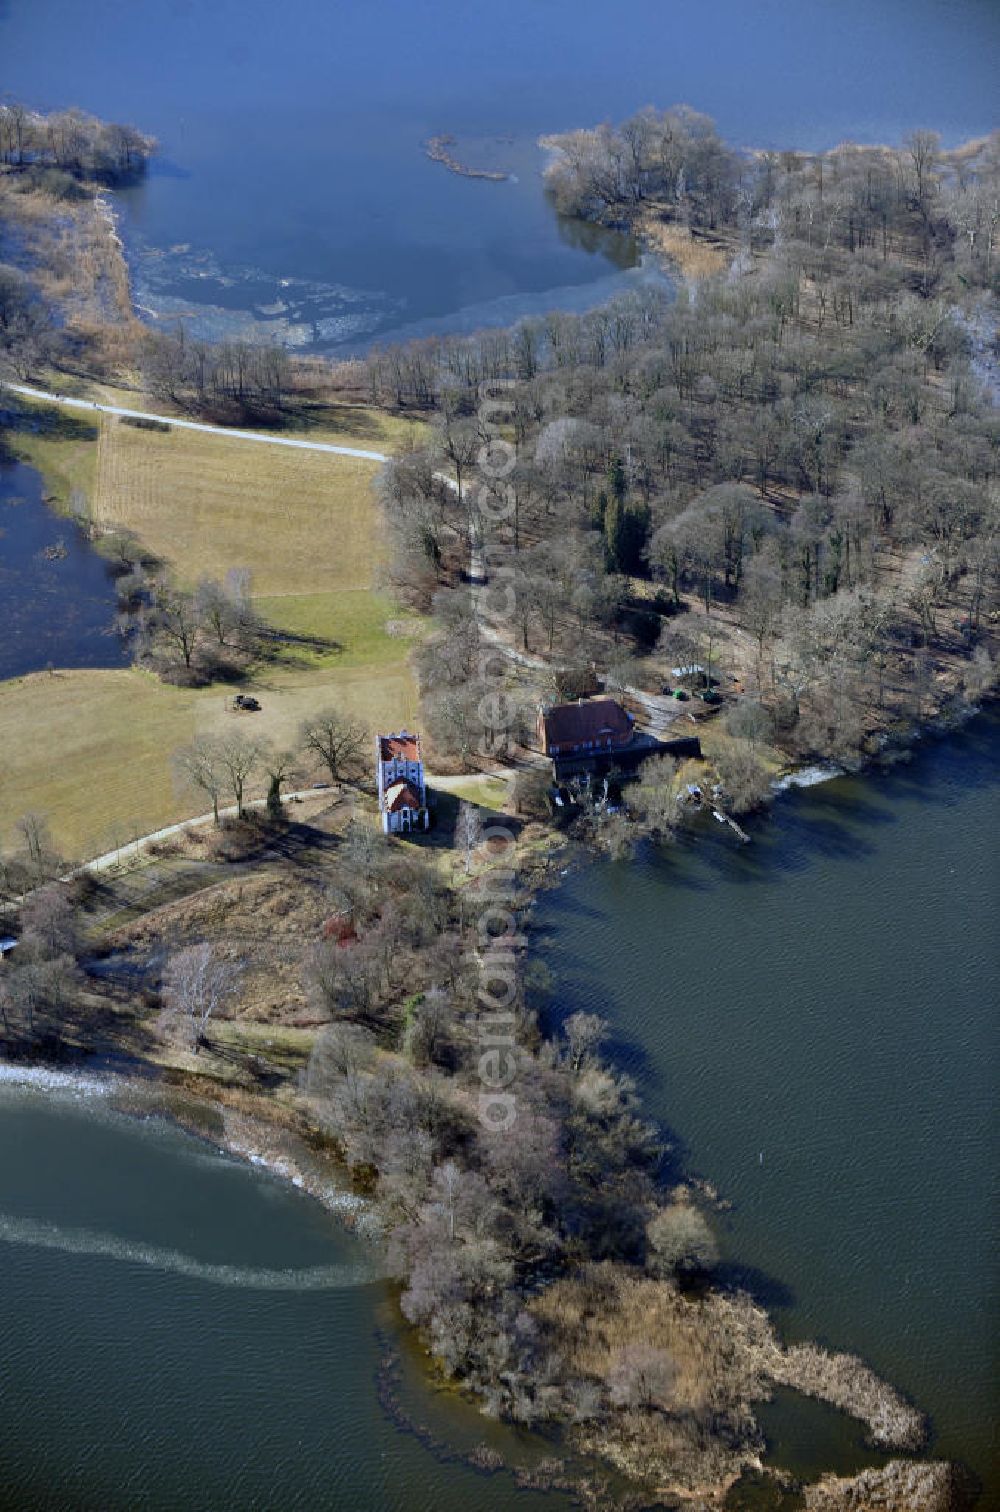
(302, 417)
(54, 424)
(338, 419)
(290, 648)
(296, 843)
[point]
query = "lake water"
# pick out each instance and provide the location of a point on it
(183, 1330)
(814, 1016)
(57, 597)
(292, 197)
(820, 999)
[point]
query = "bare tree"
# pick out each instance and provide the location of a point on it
(751, 722)
(680, 1240)
(345, 980)
(200, 765)
(924, 149)
(41, 858)
(44, 972)
(468, 831)
(48, 920)
(657, 796)
(642, 1376)
(427, 1025)
(178, 621)
(217, 610)
(197, 982)
(338, 742)
(277, 765)
(237, 758)
(531, 789)
(743, 778)
(340, 1050)
(584, 1033)
(24, 993)
(459, 441)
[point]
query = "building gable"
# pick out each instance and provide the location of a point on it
(593, 724)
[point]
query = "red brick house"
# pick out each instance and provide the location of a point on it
(590, 727)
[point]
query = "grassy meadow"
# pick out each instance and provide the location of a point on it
(300, 521)
(92, 750)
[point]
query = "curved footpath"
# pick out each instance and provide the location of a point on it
(195, 425)
(134, 848)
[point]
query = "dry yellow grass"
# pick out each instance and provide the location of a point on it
(698, 1334)
(696, 257)
(343, 423)
(710, 1346)
(92, 750)
(301, 521)
(75, 256)
(718, 1354)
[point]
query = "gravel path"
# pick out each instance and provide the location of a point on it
(195, 425)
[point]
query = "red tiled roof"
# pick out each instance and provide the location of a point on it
(401, 746)
(400, 795)
(594, 719)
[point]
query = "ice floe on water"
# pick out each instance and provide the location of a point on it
(212, 322)
(808, 776)
(42, 1079)
(217, 302)
(508, 309)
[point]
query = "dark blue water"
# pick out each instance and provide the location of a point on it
(183, 1331)
(814, 1016)
(293, 198)
(57, 610)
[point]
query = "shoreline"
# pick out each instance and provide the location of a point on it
(251, 1133)
(253, 1136)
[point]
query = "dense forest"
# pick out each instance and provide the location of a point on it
(787, 473)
